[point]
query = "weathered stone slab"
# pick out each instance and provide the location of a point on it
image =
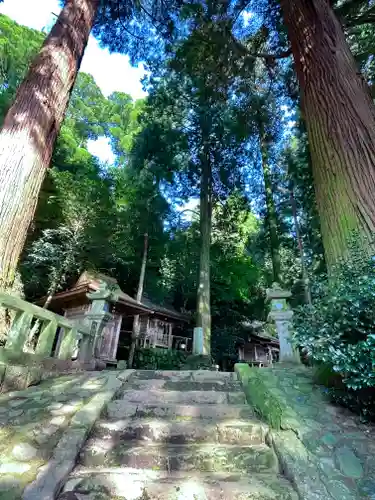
(124, 409)
(208, 375)
(349, 463)
(326, 451)
(160, 374)
(204, 385)
(15, 378)
(298, 468)
(237, 432)
(154, 396)
(54, 473)
(131, 484)
(202, 457)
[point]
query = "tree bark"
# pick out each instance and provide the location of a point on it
(305, 278)
(204, 284)
(141, 282)
(271, 216)
(340, 121)
(31, 126)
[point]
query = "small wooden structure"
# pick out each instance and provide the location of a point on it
(259, 348)
(156, 322)
(156, 329)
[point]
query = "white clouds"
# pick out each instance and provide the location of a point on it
(247, 15)
(111, 71)
(102, 149)
(188, 209)
(37, 14)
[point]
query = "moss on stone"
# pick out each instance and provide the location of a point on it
(260, 387)
(183, 418)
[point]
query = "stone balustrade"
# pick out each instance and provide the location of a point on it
(58, 340)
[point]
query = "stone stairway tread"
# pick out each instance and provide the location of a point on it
(131, 484)
(179, 397)
(234, 431)
(178, 435)
(218, 412)
(197, 375)
(188, 457)
(187, 385)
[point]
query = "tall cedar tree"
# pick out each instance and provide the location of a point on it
(271, 214)
(204, 280)
(33, 122)
(31, 126)
(340, 120)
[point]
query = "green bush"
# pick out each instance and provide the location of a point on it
(338, 331)
(198, 362)
(158, 359)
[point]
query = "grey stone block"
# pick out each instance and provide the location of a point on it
(15, 378)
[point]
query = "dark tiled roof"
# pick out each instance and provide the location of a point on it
(163, 310)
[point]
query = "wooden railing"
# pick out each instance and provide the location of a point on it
(163, 340)
(71, 337)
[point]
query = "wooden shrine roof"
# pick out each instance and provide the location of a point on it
(169, 312)
(89, 281)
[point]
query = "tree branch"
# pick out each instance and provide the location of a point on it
(123, 25)
(256, 55)
(367, 17)
(153, 18)
(280, 55)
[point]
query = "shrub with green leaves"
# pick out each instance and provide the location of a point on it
(338, 329)
(158, 359)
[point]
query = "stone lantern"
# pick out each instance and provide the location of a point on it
(98, 316)
(282, 315)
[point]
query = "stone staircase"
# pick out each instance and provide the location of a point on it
(178, 435)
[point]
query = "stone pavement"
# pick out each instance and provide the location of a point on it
(324, 449)
(142, 435)
(178, 435)
(42, 429)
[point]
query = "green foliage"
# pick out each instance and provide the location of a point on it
(260, 389)
(88, 215)
(337, 331)
(158, 359)
(197, 362)
(18, 45)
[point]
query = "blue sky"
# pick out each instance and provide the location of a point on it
(111, 71)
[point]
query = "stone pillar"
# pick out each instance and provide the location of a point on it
(282, 315)
(198, 340)
(170, 338)
(97, 317)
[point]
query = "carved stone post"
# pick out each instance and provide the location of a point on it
(282, 315)
(198, 340)
(97, 318)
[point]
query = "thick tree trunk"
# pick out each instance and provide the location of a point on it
(204, 284)
(141, 282)
(305, 278)
(271, 216)
(340, 121)
(31, 126)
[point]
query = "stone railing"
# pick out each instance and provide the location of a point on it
(58, 340)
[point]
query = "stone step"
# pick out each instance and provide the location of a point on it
(238, 432)
(168, 457)
(197, 375)
(154, 396)
(119, 409)
(185, 385)
(133, 484)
